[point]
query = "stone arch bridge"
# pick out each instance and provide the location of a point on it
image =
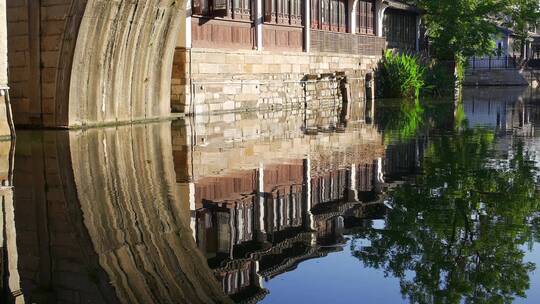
(88, 62)
(78, 63)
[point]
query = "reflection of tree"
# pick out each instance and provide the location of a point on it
(457, 233)
(402, 123)
(412, 117)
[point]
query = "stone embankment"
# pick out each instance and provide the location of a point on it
(207, 81)
(496, 77)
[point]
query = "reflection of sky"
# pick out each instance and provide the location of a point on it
(533, 294)
(378, 224)
(485, 113)
(337, 278)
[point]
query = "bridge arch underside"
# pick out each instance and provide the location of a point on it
(89, 62)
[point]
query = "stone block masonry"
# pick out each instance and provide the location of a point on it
(77, 63)
(209, 81)
(34, 40)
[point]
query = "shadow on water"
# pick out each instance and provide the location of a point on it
(442, 196)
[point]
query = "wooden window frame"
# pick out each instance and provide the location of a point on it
(330, 15)
(365, 17)
(342, 16)
(227, 9)
(243, 11)
(315, 13)
(283, 12)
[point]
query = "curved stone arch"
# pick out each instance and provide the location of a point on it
(115, 61)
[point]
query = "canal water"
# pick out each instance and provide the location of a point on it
(430, 201)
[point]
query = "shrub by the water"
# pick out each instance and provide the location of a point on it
(400, 75)
(440, 79)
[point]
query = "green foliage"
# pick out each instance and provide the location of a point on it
(400, 75)
(460, 69)
(461, 28)
(519, 16)
(460, 118)
(404, 119)
(440, 79)
(404, 123)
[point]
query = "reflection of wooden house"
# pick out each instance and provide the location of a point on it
(283, 190)
(403, 159)
(222, 227)
(227, 188)
(241, 282)
(329, 186)
(248, 236)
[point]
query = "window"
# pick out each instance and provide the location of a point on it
(329, 15)
(283, 12)
(234, 9)
(342, 16)
(242, 9)
(365, 17)
(400, 29)
(315, 4)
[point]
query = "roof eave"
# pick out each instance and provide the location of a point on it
(402, 6)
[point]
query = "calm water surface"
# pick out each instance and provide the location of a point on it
(406, 202)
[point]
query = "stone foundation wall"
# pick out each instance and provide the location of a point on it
(219, 81)
(496, 77)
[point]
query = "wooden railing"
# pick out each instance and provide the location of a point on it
(324, 41)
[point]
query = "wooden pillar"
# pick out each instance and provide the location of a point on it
(309, 219)
(380, 7)
(353, 6)
(307, 26)
(259, 18)
(260, 203)
(184, 36)
(353, 192)
(188, 192)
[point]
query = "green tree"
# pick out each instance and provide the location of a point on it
(520, 15)
(459, 29)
